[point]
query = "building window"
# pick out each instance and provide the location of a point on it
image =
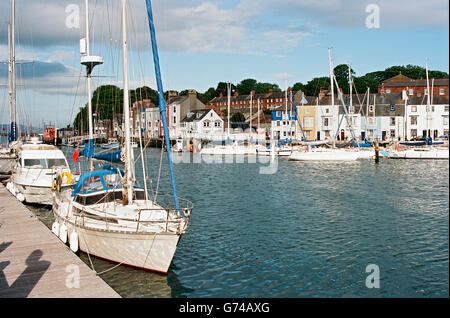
(308, 121)
(206, 124)
(325, 122)
(327, 111)
(174, 109)
(445, 122)
(278, 113)
(392, 133)
(441, 91)
(419, 94)
(307, 111)
(414, 109)
(351, 109)
(432, 108)
(413, 133)
(174, 119)
(413, 120)
(446, 108)
(392, 121)
(425, 91)
(388, 91)
(392, 108)
(371, 108)
(411, 91)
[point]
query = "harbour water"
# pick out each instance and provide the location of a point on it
(307, 230)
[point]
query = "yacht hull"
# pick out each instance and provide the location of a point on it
(151, 251)
(324, 156)
(420, 154)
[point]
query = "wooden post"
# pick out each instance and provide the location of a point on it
(377, 151)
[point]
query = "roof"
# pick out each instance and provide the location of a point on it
(402, 80)
(195, 115)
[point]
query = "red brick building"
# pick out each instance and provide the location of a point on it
(414, 87)
(270, 100)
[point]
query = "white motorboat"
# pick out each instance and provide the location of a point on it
(106, 214)
(36, 168)
(234, 148)
(420, 153)
(281, 151)
(320, 154)
(112, 143)
(8, 157)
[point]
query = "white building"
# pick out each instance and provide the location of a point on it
(202, 124)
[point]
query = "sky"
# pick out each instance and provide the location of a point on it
(203, 42)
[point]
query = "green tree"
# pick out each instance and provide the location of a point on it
(263, 88)
(246, 86)
(237, 118)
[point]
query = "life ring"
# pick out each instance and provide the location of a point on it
(69, 177)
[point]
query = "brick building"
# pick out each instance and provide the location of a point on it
(414, 87)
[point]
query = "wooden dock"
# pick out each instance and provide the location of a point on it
(35, 263)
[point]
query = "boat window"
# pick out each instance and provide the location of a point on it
(35, 163)
(92, 183)
(112, 180)
(56, 163)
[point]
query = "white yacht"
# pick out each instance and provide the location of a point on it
(34, 173)
(8, 157)
(321, 154)
(234, 148)
(420, 153)
(281, 151)
(106, 214)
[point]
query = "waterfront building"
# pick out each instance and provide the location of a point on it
(414, 87)
(177, 108)
(202, 124)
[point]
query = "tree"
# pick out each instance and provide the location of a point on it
(222, 88)
(246, 86)
(264, 88)
(298, 87)
(237, 118)
(313, 87)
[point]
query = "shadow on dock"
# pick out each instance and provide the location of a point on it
(28, 279)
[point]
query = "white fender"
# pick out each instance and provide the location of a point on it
(55, 228)
(74, 241)
(20, 197)
(63, 233)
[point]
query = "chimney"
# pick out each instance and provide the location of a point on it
(220, 94)
(270, 91)
(321, 94)
(192, 92)
(236, 93)
(172, 94)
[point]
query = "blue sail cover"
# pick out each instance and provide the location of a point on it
(162, 102)
(113, 156)
(13, 132)
(88, 150)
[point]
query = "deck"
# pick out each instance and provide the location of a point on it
(35, 263)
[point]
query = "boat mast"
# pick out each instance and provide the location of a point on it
(128, 185)
(12, 75)
(229, 103)
(251, 107)
(330, 62)
(90, 62)
(428, 99)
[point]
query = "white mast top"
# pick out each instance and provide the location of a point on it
(428, 98)
(229, 102)
(126, 106)
(331, 76)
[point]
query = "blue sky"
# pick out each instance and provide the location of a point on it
(203, 42)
